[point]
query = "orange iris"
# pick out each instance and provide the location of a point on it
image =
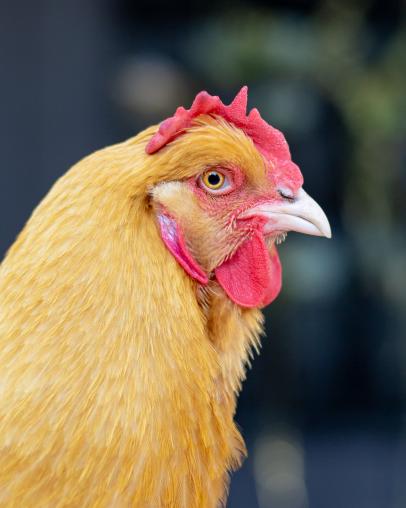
(213, 179)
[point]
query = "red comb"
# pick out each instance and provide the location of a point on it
(267, 139)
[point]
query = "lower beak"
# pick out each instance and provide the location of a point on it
(301, 214)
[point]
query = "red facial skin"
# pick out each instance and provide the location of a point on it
(250, 273)
(252, 276)
(241, 195)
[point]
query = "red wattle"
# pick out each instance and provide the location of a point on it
(252, 277)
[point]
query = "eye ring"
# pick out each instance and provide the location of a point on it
(215, 181)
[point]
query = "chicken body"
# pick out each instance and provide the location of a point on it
(128, 311)
(117, 384)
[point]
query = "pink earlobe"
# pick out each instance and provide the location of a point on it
(174, 241)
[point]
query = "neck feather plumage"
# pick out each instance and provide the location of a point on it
(125, 382)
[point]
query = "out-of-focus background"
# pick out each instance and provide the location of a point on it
(324, 408)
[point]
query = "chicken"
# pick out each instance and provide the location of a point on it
(129, 305)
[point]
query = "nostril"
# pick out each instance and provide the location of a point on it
(286, 193)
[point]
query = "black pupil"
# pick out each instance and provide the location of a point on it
(213, 179)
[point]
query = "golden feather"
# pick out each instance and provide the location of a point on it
(117, 380)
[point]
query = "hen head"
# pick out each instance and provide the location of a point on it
(232, 192)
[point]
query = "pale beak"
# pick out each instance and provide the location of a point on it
(301, 214)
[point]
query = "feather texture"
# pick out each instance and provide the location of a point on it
(118, 375)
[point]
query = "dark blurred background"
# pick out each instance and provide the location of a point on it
(323, 410)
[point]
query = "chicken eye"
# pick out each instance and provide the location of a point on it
(214, 180)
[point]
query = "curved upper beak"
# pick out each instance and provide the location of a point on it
(301, 214)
